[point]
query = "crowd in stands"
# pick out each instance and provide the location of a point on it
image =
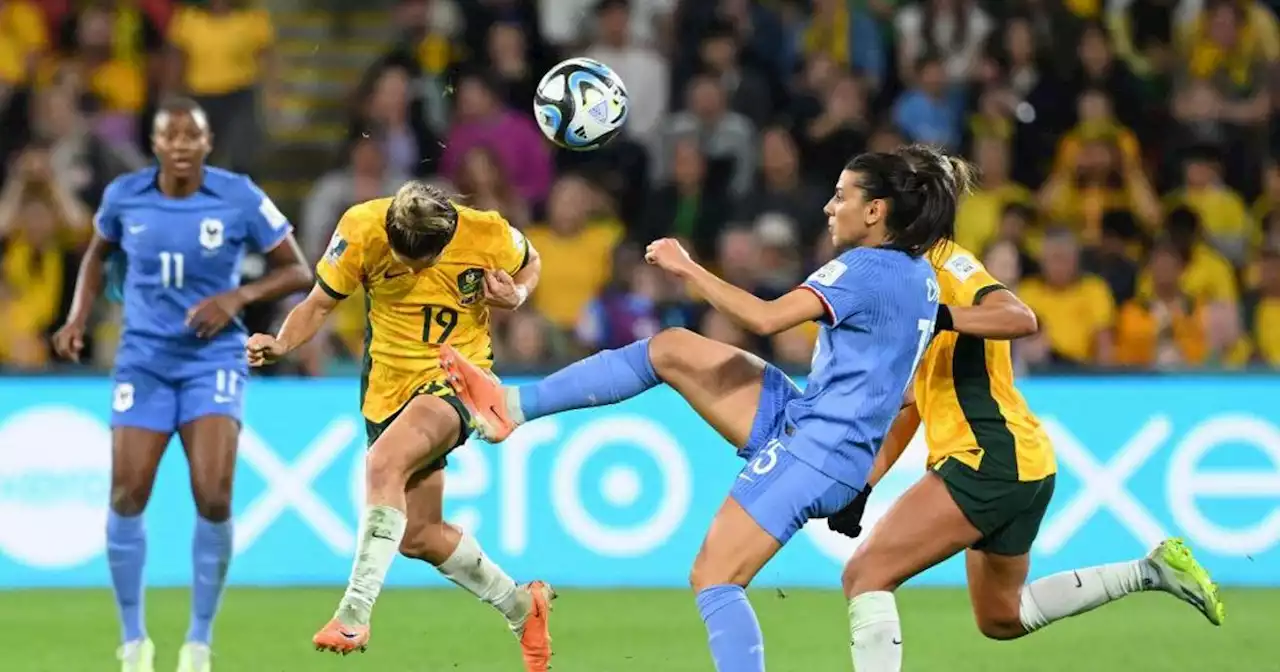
(1130, 187)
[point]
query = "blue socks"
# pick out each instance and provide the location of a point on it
(606, 377)
(127, 554)
(733, 633)
(210, 555)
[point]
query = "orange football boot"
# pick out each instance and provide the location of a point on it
(480, 392)
(338, 637)
(535, 637)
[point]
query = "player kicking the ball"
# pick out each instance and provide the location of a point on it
(808, 452)
(991, 479)
(431, 271)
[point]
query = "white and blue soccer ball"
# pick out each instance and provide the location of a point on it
(580, 104)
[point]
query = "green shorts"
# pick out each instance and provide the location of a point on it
(375, 429)
(1005, 511)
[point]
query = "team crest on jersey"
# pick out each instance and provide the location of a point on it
(211, 234)
(470, 282)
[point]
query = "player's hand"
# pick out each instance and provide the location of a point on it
(669, 255)
(501, 291)
(69, 341)
(214, 313)
(264, 349)
(848, 521)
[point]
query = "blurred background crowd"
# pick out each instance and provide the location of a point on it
(1130, 187)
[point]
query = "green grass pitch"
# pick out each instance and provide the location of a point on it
(269, 630)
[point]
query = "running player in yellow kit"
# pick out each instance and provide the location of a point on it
(431, 270)
(991, 479)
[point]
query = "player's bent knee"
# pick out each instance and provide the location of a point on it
(386, 465)
(707, 572)
(1002, 627)
(865, 573)
(129, 499)
(849, 578)
(669, 350)
(215, 509)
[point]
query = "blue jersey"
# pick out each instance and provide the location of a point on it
(178, 252)
(881, 305)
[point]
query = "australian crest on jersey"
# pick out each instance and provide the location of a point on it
(470, 284)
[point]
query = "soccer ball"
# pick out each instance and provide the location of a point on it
(580, 104)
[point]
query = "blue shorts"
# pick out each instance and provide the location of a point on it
(777, 489)
(161, 403)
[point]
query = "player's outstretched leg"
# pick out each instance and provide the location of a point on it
(210, 443)
(135, 457)
(720, 382)
(607, 377)
(459, 558)
(1169, 567)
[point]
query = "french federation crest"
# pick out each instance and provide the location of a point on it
(211, 234)
(470, 284)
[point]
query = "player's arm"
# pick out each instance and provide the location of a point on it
(998, 314)
(756, 315)
(68, 341)
(519, 266)
(300, 326)
(271, 234)
(338, 275)
(287, 273)
(978, 305)
(895, 443)
(528, 276)
(508, 291)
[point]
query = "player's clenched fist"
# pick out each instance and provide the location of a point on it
(669, 255)
(69, 341)
(501, 290)
(264, 349)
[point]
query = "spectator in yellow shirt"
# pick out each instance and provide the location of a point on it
(1263, 314)
(24, 38)
(1097, 120)
(225, 48)
(979, 214)
(1207, 277)
(1259, 27)
(36, 214)
(576, 244)
(1166, 329)
(1100, 181)
(1225, 220)
(1075, 309)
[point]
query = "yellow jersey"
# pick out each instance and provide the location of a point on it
(222, 50)
(411, 314)
(1073, 316)
(971, 409)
